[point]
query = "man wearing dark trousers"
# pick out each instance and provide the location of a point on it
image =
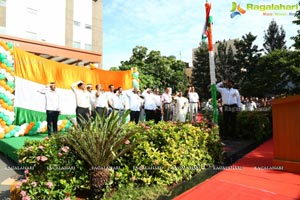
(135, 104)
(149, 104)
(166, 99)
(158, 111)
(83, 104)
(52, 107)
(231, 105)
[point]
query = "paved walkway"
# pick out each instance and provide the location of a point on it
(8, 174)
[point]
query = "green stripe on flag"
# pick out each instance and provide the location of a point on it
(26, 116)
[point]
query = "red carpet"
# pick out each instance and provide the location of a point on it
(250, 178)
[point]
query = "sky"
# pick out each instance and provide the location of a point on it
(174, 27)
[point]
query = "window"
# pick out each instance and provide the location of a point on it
(76, 23)
(76, 44)
(3, 3)
(88, 47)
(87, 26)
(32, 11)
(31, 35)
(2, 30)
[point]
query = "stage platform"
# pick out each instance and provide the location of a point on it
(10, 146)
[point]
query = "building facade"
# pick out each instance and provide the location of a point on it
(72, 26)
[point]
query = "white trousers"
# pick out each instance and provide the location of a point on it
(193, 111)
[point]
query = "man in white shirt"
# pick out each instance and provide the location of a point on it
(89, 88)
(166, 99)
(83, 104)
(149, 104)
(135, 104)
(158, 102)
(53, 107)
(231, 105)
(194, 104)
(251, 105)
(101, 101)
(119, 101)
(110, 95)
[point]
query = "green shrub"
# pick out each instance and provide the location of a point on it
(169, 153)
(129, 192)
(255, 125)
(53, 170)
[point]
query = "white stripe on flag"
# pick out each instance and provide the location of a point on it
(28, 97)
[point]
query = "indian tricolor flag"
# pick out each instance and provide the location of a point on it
(32, 73)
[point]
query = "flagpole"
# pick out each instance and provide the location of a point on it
(208, 32)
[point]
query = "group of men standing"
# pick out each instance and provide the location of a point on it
(168, 107)
(147, 105)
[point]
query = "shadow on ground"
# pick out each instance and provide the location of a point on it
(5, 195)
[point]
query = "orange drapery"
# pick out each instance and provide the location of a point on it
(44, 71)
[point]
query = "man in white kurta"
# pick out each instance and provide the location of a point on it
(181, 107)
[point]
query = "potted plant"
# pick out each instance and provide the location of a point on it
(99, 142)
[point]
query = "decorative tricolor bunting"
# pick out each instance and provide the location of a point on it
(22, 75)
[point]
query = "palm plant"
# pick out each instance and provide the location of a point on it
(99, 142)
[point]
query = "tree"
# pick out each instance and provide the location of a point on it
(278, 73)
(139, 54)
(159, 68)
(297, 37)
(200, 71)
(225, 67)
(179, 79)
(246, 58)
(274, 38)
(157, 71)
